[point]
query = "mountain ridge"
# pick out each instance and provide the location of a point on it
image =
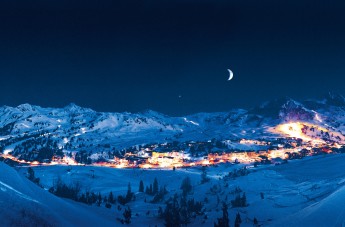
(28, 128)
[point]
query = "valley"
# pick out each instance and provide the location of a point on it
(273, 165)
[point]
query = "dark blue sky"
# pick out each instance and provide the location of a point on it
(138, 55)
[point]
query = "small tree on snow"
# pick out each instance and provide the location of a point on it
(224, 220)
(129, 194)
(255, 222)
(204, 178)
(172, 214)
(186, 186)
(127, 214)
(141, 186)
(239, 201)
(31, 176)
(155, 186)
(111, 198)
(238, 220)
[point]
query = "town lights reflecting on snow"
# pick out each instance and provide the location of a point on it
(308, 134)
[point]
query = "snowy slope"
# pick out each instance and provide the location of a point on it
(328, 212)
(323, 191)
(295, 194)
(24, 204)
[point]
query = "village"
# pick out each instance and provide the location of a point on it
(189, 154)
(297, 140)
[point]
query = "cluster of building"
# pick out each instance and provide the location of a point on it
(297, 143)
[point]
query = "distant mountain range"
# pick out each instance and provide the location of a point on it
(28, 128)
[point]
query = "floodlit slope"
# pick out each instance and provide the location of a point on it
(24, 204)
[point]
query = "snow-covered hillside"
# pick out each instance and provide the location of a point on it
(292, 194)
(22, 203)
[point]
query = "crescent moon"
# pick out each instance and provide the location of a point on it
(231, 74)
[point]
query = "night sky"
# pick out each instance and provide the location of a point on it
(169, 56)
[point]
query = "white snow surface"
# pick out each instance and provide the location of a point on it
(23, 203)
(307, 192)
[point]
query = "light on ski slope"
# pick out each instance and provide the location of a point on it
(317, 117)
(298, 130)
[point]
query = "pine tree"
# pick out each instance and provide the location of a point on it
(172, 213)
(244, 200)
(186, 186)
(223, 221)
(83, 198)
(204, 177)
(256, 223)
(155, 187)
(31, 174)
(239, 201)
(127, 214)
(111, 198)
(185, 213)
(141, 186)
(129, 194)
(151, 190)
(238, 220)
(99, 199)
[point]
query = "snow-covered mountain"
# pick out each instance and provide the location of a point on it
(28, 128)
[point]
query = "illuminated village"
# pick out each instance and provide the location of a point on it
(295, 140)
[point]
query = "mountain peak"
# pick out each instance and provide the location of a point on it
(291, 104)
(152, 113)
(293, 110)
(74, 108)
(26, 107)
(285, 109)
(72, 105)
